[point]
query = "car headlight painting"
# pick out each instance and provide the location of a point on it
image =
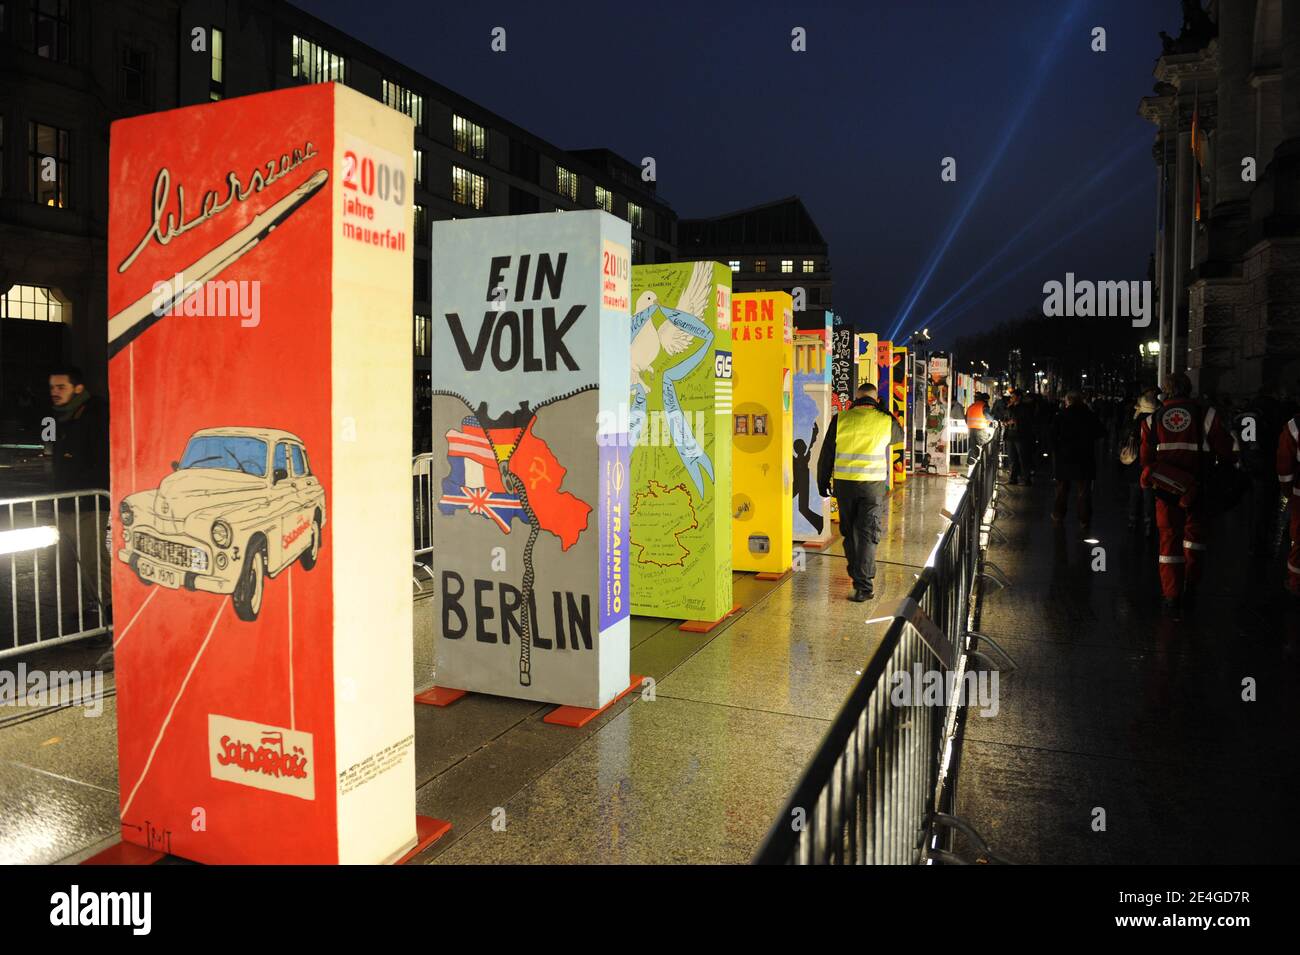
(128, 515)
(221, 534)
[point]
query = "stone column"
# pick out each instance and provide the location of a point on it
(1182, 209)
(1234, 138)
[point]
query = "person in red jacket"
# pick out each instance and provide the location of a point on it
(1288, 462)
(1172, 465)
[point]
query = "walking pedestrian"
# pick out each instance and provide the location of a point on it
(855, 452)
(1257, 428)
(1073, 438)
(1141, 500)
(1174, 440)
(1020, 438)
(1288, 464)
(979, 427)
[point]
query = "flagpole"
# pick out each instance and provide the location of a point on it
(1162, 255)
(1173, 265)
(1196, 177)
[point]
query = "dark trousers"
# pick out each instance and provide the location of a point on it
(1022, 459)
(861, 505)
(1264, 514)
(1082, 496)
(1141, 506)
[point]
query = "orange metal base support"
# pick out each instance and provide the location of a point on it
(125, 853)
(768, 575)
(575, 716)
(427, 831)
(704, 626)
(440, 696)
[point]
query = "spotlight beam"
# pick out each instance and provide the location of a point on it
(1079, 191)
(1100, 213)
(1008, 133)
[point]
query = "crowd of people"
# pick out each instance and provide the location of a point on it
(1183, 459)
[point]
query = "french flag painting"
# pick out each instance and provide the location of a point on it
(475, 483)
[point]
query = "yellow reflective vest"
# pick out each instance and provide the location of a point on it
(862, 438)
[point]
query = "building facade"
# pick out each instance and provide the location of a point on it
(68, 68)
(1226, 108)
(775, 247)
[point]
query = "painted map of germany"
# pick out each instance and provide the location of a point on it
(660, 516)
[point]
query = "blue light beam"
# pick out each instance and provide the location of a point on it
(1077, 192)
(1100, 213)
(1045, 63)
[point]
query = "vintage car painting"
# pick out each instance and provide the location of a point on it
(240, 505)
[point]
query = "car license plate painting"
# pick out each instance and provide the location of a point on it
(530, 383)
(260, 478)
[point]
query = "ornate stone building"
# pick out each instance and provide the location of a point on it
(1229, 282)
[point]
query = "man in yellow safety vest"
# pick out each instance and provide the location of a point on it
(856, 453)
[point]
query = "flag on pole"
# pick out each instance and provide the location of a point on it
(1198, 155)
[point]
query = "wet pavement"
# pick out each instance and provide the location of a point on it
(693, 768)
(1124, 737)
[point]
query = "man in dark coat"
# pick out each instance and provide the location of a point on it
(1073, 437)
(80, 434)
(81, 464)
(1020, 437)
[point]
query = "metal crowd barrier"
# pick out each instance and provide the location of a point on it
(958, 442)
(879, 789)
(422, 488)
(425, 500)
(54, 570)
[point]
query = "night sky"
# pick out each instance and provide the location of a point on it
(1050, 150)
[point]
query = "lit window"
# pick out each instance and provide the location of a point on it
(421, 225)
(404, 101)
(735, 265)
(760, 265)
(787, 265)
(634, 215)
(566, 183)
(34, 303)
(468, 138)
(218, 60)
(604, 199)
(809, 265)
(419, 168)
(315, 64)
(48, 159)
(468, 188)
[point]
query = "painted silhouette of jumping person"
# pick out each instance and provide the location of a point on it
(802, 488)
